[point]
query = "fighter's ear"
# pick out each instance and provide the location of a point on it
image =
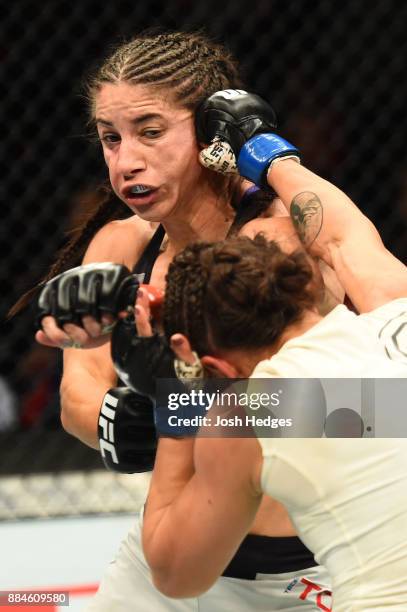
(220, 368)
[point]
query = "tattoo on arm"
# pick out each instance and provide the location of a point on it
(306, 214)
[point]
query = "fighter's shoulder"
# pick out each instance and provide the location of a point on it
(120, 241)
(278, 228)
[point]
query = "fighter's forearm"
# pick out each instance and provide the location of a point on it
(332, 227)
(192, 517)
(86, 378)
(80, 406)
(322, 214)
(167, 500)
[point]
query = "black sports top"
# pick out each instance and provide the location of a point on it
(146, 262)
(249, 207)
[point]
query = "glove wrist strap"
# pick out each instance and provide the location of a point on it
(259, 152)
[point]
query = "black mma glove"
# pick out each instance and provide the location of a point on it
(92, 289)
(127, 433)
(139, 361)
(239, 129)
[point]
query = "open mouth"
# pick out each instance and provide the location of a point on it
(142, 194)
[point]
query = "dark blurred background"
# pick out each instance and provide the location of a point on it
(334, 71)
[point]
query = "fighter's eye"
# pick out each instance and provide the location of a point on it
(110, 138)
(152, 133)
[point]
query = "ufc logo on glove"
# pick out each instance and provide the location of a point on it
(106, 418)
(232, 94)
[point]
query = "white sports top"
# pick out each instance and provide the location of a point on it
(347, 497)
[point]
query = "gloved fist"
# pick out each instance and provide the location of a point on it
(239, 129)
(92, 289)
(141, 355)
(140, 360)
(127, 433)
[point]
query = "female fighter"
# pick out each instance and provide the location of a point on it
(143, 100)
(345, 496)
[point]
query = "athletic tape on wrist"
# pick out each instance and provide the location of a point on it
(219, 156)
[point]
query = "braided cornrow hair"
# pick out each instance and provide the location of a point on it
(184, 306)
(188, 65)
(238, 293)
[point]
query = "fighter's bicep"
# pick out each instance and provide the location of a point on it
(227, 465)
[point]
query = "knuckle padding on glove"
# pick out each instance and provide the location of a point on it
(236, 119)
(92, 289)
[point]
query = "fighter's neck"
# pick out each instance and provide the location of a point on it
(243, 360)
(208, 218)
(308, 320)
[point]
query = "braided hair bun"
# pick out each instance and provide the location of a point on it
(238, 293)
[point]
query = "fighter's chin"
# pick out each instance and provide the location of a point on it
(150, 212)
